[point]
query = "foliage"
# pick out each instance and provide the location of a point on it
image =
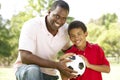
(6, 42)
(69, 19)
(5, 37)
(106, 20)
(94, 31)
(110, 41)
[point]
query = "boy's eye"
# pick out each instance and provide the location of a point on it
(79, 34)
(72, 36)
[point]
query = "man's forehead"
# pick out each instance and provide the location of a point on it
(60, 11)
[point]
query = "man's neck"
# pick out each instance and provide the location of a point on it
(53, 32)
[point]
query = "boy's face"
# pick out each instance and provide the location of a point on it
(78, 37)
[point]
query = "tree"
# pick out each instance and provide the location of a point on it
(109, 40)
(6, 37)
(94, 31)
(106, 20)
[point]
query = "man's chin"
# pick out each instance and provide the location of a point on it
(56, 28)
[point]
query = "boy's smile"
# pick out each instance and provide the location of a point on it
(78, 37)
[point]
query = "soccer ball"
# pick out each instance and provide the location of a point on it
(77, 64)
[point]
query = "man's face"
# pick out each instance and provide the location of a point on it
(57, 18)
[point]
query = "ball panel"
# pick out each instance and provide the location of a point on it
(76, 64)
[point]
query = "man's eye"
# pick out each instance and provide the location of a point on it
(57, 16)
(64, 19)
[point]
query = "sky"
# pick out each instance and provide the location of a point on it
(82, 10)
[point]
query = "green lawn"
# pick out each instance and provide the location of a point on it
(8, 73)
(114, 73)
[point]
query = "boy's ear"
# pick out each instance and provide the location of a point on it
(86, 34)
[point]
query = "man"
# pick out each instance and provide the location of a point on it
(40, 40)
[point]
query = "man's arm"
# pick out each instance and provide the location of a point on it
(28, 58)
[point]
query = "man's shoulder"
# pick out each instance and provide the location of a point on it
(34, 22)
(37, 19)
(64, 27)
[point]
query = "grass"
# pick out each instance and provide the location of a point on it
(8, 73)
(114, 73)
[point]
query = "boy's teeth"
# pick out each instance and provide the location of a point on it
(77, 41)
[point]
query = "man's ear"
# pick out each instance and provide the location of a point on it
(49, 11)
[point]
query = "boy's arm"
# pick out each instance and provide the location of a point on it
(99, 68)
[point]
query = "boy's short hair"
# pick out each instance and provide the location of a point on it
(77, 24)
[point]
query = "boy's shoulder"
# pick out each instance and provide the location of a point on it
(72, 48)
(94, 45)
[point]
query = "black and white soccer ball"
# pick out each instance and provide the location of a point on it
(76, 64)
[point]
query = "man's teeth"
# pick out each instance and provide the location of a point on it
(57, 24)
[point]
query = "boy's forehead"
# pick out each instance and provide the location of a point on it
(76, 30)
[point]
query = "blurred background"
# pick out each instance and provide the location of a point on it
(102, 18)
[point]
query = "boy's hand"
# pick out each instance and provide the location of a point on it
(86, 61)
(63, 57)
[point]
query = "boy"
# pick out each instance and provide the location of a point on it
(92, 54)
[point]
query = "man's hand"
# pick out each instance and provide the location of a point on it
(64, 70)
(63, 57)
